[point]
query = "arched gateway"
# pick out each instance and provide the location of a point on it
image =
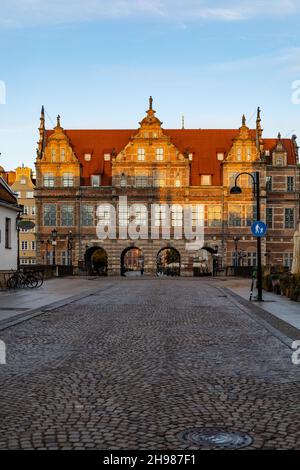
(96, 261)
(132, 262)
(168, 262)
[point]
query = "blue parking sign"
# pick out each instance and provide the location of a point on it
(259, 229)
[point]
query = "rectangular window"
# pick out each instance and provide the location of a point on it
(107, 157)
(25, 210)
(68, 180)
(53, 155)
(67, 216)
(63, 155)
(95, 181)
(29, 194)
(205, 180)
(290, 184)
(159, 154)
(269, 183)
(250, 215)
(177, 216)
(235, 216)
(88, 157)
(269, 217)
(49, 215)
(24, 245)
(87, 216)
(7, 233)
(289, 218)
(252, 259)
(49, 180)
(141, 181)
(288, 260)
(33, 245)
(220, 156)
(33, 211)
(141, 155)
(214, 216)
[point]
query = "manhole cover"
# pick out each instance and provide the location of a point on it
(215, 437)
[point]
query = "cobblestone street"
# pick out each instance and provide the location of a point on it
(140, 361)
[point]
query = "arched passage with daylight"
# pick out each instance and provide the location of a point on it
(132, 262)
(96, 261)
(168, 262)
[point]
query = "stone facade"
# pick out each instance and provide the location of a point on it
(78, 170)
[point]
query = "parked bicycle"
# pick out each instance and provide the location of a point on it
(25, 279)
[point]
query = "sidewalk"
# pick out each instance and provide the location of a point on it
(278, 305)
(13, 303)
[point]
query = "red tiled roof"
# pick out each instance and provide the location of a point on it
(204, 144)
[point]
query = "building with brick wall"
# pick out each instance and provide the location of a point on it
(77, 170)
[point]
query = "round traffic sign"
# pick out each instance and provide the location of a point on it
(259, 229)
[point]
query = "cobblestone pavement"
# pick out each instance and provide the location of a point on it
(132, 367)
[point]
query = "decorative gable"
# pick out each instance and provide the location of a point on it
(244, 148)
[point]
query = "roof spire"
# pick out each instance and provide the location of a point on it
(259, 132)
(279, 136)
(58, 121)
(183, 123)
(244, 120)
(150, 103)
(41, 142)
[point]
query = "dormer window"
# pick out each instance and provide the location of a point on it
(159, 154)
(190, 157)
(205, 180)
(220, 156)
(141, 155)
(87, 157)
(95, 181)
(107, 157)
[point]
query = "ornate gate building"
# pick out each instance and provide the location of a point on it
(77, 170)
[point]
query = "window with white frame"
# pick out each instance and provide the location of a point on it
(87, 157)
(123, 181)
(141, 155)
(23, 181)
(29, 194)
(33, 245)
(239, 154)
(248, 154)
(177, 182)
(159, 154)
(53, 154)
(251, 258)
(62, 154)
(107, 157)
(49, 180)
(24, 245)
(67, 216)
(290, 184)
(68, 180)
(33, 210)
(289, 218)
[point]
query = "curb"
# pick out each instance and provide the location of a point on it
(282, 330)
(29, 314)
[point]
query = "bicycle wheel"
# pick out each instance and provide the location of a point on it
(31, 281)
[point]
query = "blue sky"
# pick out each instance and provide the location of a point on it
(96, 62)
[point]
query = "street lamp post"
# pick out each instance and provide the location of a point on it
(54, 237)
(236, 241)
(256, 191)
(70, 247)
